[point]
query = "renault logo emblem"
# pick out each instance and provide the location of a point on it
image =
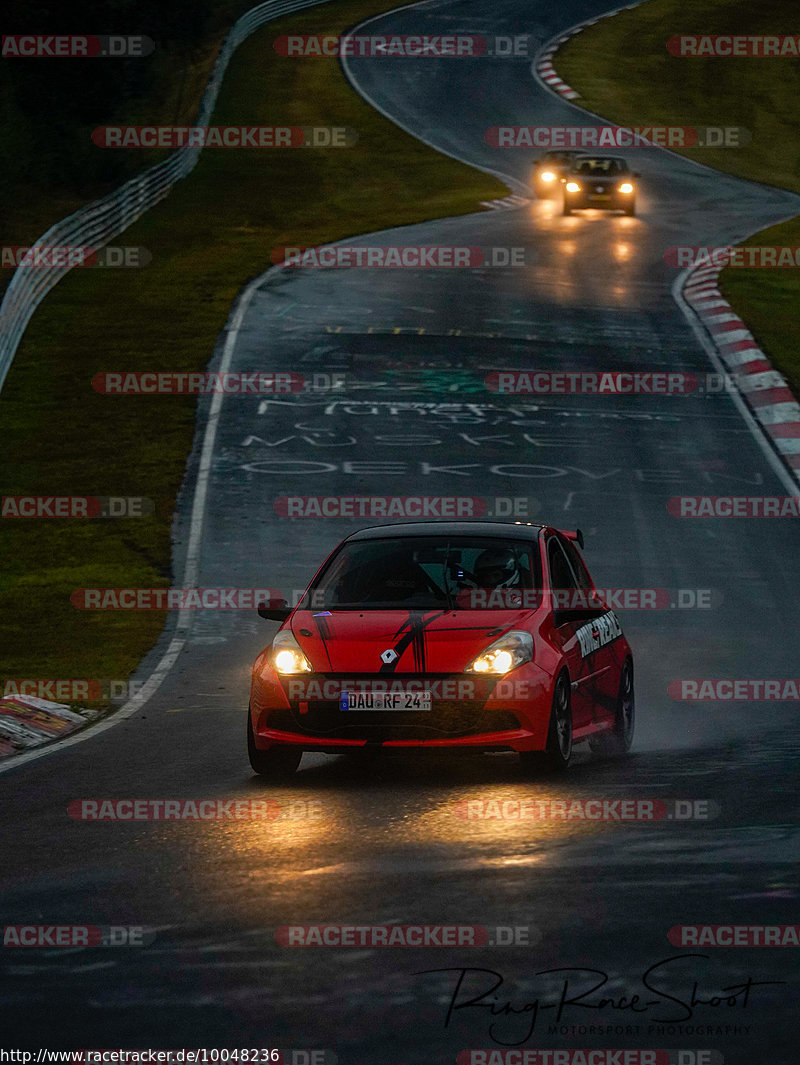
(388, 656)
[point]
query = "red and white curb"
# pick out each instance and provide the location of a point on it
(543, 64)
(26, 721)
(507, 203)
(764, 390)
(772, 408)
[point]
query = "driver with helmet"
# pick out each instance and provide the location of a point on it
(496, 567)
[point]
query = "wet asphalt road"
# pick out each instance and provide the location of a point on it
(385, 841)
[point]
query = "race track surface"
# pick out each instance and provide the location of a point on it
(385, 842)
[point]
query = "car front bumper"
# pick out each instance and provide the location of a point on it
(505, 713)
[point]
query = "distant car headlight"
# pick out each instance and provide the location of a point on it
(547, 175)
(626, 187)
(573, 186)
(286, 656)
(504, 654)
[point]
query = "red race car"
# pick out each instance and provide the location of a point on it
(479, 635)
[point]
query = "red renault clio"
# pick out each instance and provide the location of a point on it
(479, 635)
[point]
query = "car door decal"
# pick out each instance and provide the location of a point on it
(598, 632)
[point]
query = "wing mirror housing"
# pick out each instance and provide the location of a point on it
(275, 609)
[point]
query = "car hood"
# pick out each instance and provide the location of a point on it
(424, 641)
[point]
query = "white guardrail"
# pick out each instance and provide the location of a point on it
(102, 220)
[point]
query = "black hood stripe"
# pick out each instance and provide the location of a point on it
(324, 630)
(412, 631)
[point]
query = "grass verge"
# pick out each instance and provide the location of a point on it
(211, 235)
(623, 71)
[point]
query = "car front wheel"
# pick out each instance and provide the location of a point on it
(278, 763)
(557, 755)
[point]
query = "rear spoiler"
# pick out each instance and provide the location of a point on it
(575, 534)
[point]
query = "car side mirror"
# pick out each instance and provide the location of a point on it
(275, 609)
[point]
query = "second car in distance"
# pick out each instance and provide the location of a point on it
(602, 181)
(549, 170)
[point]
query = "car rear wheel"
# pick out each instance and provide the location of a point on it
(278, 763)
(618, 740)
(558, 753)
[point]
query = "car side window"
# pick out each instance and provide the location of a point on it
(561, 578)
(578, 566)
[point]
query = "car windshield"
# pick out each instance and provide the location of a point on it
(600, 166)
(559, 157)
(429, 573)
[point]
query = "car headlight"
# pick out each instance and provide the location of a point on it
(504, 654)
(547, 175)
(573, 186)
(286, 656)
(626, 187)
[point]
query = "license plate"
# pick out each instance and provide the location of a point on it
(367, 700)
(602, 196)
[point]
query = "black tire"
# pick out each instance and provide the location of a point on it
(566, 210)
(630, 210)
(278, 763)
(618, 742)
(558, 753)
